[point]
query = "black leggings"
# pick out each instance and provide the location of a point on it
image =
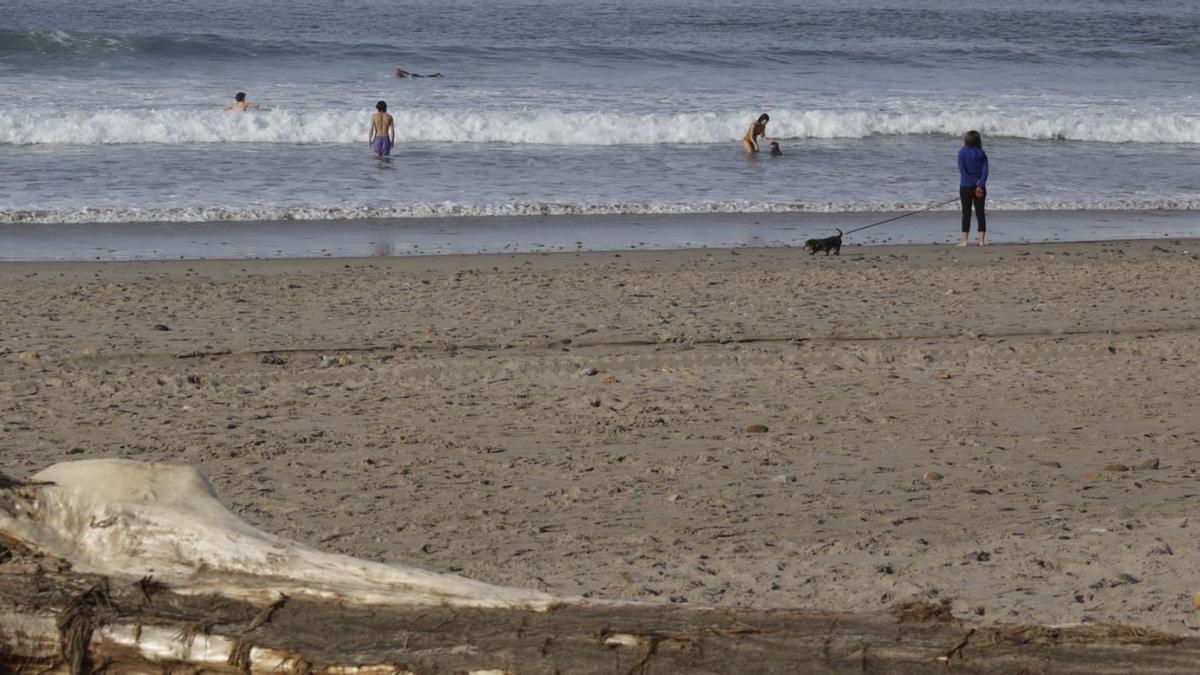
(967, 195)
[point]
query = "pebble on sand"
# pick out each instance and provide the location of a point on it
(1148, 464)
(29, 356)
(932, 476)
(1196, 601)
(757, 429)
(344, 360)
(944, 376)
(1115, 467)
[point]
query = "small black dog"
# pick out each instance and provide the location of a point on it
(827, 244)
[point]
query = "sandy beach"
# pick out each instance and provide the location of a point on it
(1010, 429)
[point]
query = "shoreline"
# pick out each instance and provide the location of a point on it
(941, 423)
(473, 235)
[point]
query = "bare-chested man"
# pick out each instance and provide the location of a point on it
(239, 103)
(383, 131)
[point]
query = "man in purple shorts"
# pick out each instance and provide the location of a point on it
(383, 131)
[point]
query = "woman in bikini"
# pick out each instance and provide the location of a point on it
(383, 131)
(757, 129)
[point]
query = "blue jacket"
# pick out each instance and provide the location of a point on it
(972, 167)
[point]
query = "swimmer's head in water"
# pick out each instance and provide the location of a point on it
(400, 72)
(764, 118)
(775, 149)
(381, 106)
(240, 97)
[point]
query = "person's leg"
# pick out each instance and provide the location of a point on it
(981, 218)
(965, 194)
(749, 147)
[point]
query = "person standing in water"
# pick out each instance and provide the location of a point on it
(972, 184)
(383, 131)
(239, 103)
(757, 129)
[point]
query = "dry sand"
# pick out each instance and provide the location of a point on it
(467, 434)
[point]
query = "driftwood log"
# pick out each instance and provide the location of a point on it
(54, 621)
(65, 609)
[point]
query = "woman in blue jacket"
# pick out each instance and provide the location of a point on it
(972, 184)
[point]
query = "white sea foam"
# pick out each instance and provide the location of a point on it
(124, 126)
(526, 209)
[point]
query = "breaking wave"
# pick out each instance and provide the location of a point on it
(133, 126)
(528, 209)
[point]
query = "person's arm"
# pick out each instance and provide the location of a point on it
(392, 129)
(962, 164)
(251, 106)
(984, 173)
(371, 132)
(228, 106)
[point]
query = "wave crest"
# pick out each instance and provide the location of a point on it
(576, 128)
(81, 46)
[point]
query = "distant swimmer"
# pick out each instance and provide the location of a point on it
(404, 74)
(757, 129)
(775, 151)
(239, 103)
(383, 131)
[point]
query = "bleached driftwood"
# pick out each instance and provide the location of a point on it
(130, 519)
(78, 548)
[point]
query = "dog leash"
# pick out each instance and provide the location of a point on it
(904, 215)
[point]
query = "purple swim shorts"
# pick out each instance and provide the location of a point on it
(382, 145)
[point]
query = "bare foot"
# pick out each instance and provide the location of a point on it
(962, 243)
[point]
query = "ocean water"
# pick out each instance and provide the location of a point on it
(111, 110)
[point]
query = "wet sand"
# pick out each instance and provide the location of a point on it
(941, 424)
(386, 237)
